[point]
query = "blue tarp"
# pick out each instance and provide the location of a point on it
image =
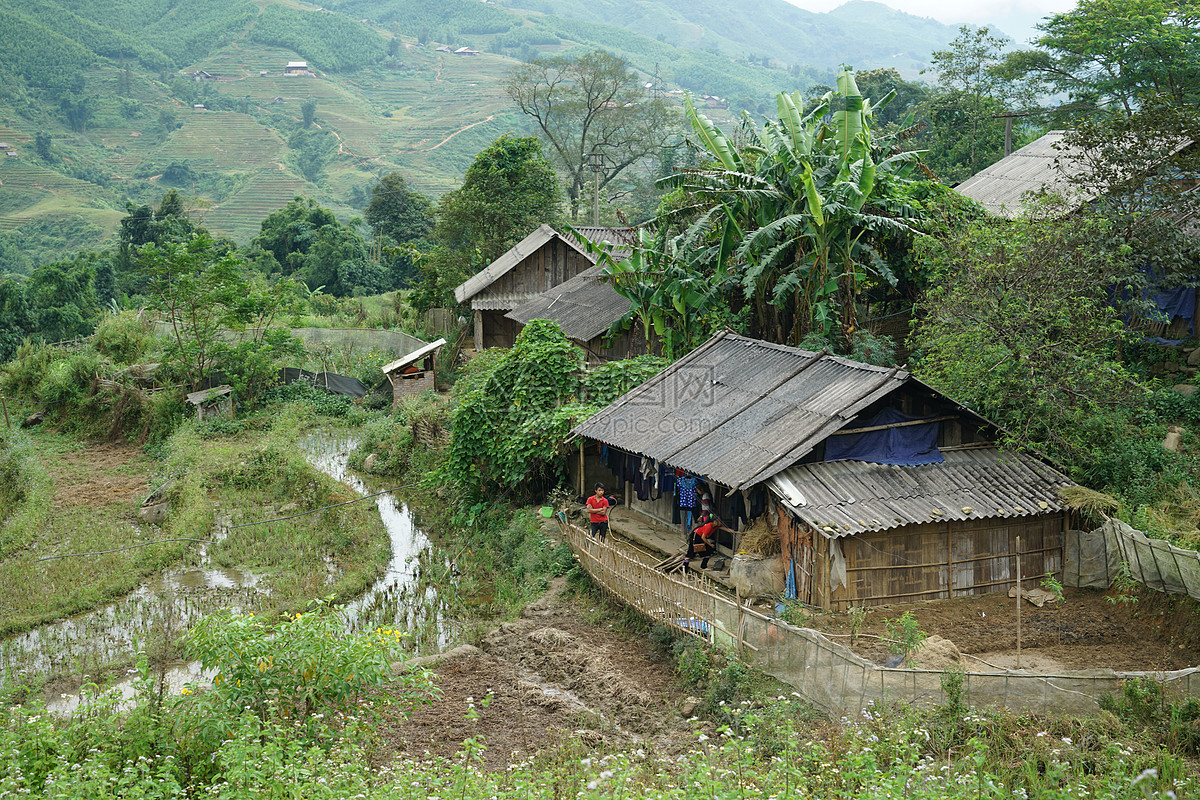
(907, 446)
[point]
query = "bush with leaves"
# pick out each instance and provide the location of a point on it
(305, 665)
(512, 417)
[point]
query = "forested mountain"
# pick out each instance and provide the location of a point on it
(861, 33)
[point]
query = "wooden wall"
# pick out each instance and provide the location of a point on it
(495, 329)
(927, 562)
(553, 263)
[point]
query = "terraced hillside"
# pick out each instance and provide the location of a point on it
(126, 129)
(222, 140)
(240, 217)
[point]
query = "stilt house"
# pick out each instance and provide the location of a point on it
(880, 488)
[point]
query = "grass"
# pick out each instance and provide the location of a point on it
(247, 475)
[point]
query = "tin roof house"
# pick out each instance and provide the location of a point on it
(536, 279)
(880, 488)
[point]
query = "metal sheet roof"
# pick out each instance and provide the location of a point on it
(740, 410)
(415, 355)
(584, 307)
(842, 498)
(1001, 188)
(522, 250)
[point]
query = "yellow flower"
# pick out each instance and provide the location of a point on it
(185, 690)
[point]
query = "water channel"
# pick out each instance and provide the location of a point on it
(406, 597)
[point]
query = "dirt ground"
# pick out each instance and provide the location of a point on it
(552, 675)
(100, 474)
(1086, 631)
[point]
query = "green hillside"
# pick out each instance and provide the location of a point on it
(860, 33)
(115, 86)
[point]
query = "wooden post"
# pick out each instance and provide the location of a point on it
(582, 479)
(4, 401)
(949, 562)
(741, 645)
(1018, 602)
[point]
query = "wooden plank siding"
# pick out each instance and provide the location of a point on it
(938, 560)
(543, 269)
(551, 264)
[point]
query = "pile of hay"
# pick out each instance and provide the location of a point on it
(1096, 507)
(761, 538)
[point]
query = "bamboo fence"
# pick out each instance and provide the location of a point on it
(828, 674)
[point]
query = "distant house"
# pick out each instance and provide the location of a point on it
(466, 51)
(262, 73)
(586, 307)
(1003, 189)
(413, 373)
(198, 107)
(444, 49)
(541, 261)
(1048, 165)
(10, 153)
(296, 68)
(201, 75)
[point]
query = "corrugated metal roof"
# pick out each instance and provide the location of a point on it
(842, 498)
(522, 250)
(1001, 188)
(584, 307)
(740, 410)
(420, 352)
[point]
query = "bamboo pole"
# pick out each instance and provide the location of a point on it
(4, 401)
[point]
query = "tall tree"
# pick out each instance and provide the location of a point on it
(1112, 53)
(1020, 326)
(591, 104)
(507, 192)
(399, 212)
(966, 107)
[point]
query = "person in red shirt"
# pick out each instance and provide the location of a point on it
(597, 506)
(703, 539)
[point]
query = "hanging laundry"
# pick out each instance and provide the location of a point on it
(666, 478)
(686, 490)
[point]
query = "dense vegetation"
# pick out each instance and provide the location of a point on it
(331, 40)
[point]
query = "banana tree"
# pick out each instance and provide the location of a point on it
(791, 210)
(669, 295)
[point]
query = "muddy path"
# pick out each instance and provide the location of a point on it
(560, 671)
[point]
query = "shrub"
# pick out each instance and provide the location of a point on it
(296, 668)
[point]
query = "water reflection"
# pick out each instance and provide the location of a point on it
(407, 596)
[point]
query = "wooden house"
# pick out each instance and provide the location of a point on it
(1049, 165)
(881, 489)
(296, 68)
(541, 261)
(412, 374)
(585, 308)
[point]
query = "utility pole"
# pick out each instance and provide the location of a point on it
(1008, 125)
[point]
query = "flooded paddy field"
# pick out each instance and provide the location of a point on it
(414, 592)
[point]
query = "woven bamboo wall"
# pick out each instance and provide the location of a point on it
(944, 559)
